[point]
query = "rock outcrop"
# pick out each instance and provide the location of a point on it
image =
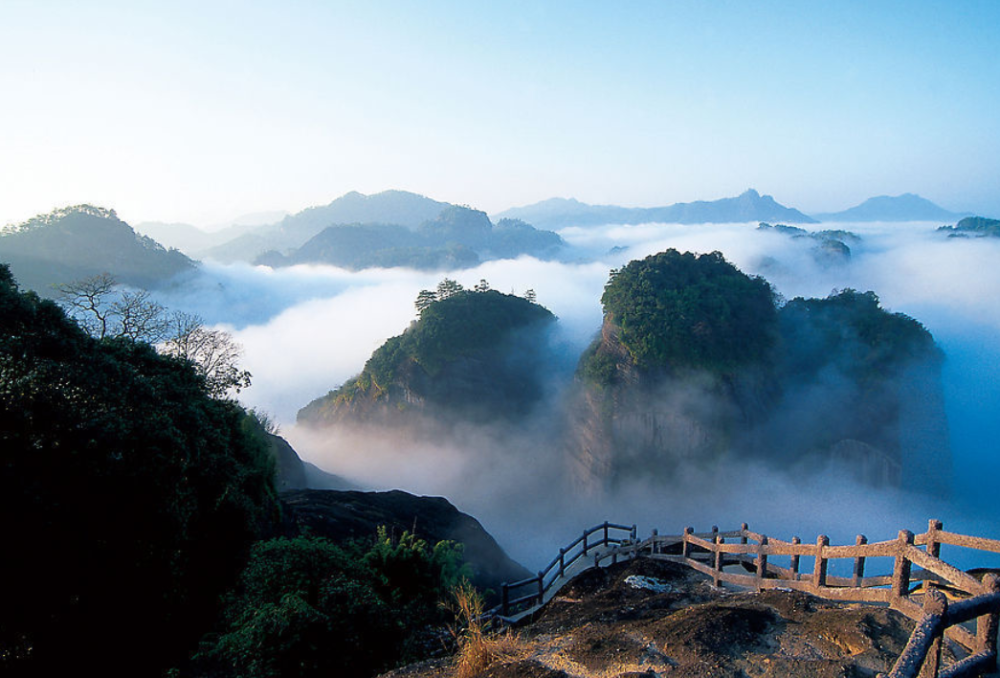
(646, 618)
(342, 515)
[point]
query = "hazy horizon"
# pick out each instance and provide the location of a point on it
(198, 114)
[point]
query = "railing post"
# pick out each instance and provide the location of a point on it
(933, 545)
(859, 561)
(584, 542)
(819, 571)
(717, 565)
(715, 532)
(654, 546)
(935, 603)
(605, 533)
(505, 599)
(562, 562)
(901, 568)
(635, 532)
(986, 626)
(794, 564)
(685, 544)
(541, 588)
(761, 562)
(743, 529)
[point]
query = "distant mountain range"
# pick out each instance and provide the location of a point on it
(906, 207)
(749, 206)
(557, 213)
(399, 208)
(388, 229)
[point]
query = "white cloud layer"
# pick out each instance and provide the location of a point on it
(307, 329)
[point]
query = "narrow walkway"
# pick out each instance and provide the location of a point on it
(581, 565)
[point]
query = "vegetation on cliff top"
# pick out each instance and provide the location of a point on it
(681, 310)
(851, 331)
(976, 227)
(453, 324)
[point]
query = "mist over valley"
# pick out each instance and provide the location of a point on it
(309, 329)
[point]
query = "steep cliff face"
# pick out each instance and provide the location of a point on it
(678, 378)
(649, 423)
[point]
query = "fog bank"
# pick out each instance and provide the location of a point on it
(306, 330)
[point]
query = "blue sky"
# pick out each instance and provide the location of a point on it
(200, 112)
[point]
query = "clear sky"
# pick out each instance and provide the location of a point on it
(203, 111)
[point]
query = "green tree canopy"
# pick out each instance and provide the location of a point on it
(688, 310)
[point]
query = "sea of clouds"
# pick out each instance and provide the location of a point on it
(307, 329)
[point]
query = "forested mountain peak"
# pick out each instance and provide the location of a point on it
(77, 242)
(474, 352)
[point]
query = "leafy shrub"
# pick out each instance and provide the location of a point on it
(309, 607)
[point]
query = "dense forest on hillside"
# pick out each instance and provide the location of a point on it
(142, 518)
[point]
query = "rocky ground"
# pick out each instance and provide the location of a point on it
(648, 618)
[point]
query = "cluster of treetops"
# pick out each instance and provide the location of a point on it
(453, 322)
(678, 310)
(145, 536)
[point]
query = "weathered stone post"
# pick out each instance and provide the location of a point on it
(986, 626)
(584, 542)
(761, 562)
(654, 546)
(562, 561)
(859, 561)
(819, 571)
(901, 568)
(605, 533)
(794, 564)
(743, 529)
(935, 603)
(717, 567)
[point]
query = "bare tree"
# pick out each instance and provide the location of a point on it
(214, 353)
(140, 318)
(106, 310)
(89, 302)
